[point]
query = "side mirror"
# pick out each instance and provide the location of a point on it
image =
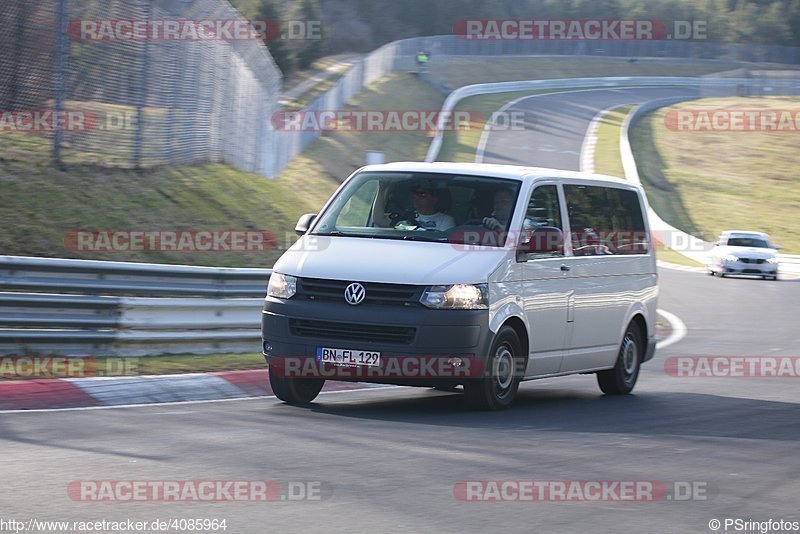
(304, 223)
(777, 247)
(546, 240)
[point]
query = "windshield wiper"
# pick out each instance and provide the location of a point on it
(423, 237)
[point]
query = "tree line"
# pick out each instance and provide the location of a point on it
(363, 25)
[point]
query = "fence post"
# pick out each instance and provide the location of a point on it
(62, 51)
(141, 101)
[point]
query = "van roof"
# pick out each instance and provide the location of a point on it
(742, 233)
(493, 170)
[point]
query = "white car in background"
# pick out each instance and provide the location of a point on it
(747, 253)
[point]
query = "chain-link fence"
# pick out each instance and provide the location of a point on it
(145, 102)
(135, 100)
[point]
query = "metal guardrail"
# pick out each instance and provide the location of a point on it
(92, 277)
(127, 309)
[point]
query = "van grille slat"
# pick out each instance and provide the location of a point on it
(376, 293)
(352, 331)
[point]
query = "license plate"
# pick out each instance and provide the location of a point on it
(348, 357)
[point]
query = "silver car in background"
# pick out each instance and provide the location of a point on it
(739, 252)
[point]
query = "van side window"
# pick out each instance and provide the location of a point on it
(605, 221)
(541, 235)
(543, 209)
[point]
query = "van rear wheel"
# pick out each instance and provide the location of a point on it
(498, 387)
(622, 378)
(296, 390)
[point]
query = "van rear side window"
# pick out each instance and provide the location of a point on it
(605, 221)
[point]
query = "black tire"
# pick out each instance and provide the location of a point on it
(498, 387)
(622, 378)
(296, 390)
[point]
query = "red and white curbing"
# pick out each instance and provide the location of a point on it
(83, 393)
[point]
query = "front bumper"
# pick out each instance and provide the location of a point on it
(445, 346)
(650, 351)
(740, 267)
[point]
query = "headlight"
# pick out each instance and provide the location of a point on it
(281, 286)
(457, 297)
(772, 260)
(730, 257)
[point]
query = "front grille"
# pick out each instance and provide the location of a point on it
(352, 331)
(376, 293)
(753, 260)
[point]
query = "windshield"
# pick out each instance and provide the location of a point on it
(422, 207)
(748, 242)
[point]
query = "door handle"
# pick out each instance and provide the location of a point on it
(565, 268)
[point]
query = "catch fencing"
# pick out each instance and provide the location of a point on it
(137, 102)
(149, 102)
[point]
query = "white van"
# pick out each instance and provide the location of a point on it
(473, 275)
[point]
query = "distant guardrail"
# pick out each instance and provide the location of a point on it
(64, 306)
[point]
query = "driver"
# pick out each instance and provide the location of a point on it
(503, 206)
(427, 215)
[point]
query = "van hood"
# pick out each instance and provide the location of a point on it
(751, 252)
(389, 261)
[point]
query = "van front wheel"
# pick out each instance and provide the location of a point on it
(498, 387)
(621, 379)
(296, 390)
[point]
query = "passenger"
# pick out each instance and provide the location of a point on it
(427, 214)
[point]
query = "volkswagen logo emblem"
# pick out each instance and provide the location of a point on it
(354, 293)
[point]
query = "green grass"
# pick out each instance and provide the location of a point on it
(41, 204)
(670, 256)
(159, 365)
(706, 182)
(468, 70)
(607, 160)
